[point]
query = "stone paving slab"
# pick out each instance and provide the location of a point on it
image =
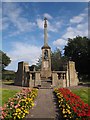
(45, 106)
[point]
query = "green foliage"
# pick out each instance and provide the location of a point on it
(8, 82)
(55, 59)
(78, 50)
(34, 67)
(58, 62)
(8, 75)
(4, 59)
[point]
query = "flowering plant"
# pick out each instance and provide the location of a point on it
(18, 106)
(71, 105)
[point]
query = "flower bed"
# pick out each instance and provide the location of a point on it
(71, 106)
(18, 106)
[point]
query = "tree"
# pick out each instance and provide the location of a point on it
(55, 59)
(77, 49)
(4, 59)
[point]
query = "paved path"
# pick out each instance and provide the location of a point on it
(45, 106)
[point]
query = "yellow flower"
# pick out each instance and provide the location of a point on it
(22, 108)
(15, 113)
(26, 102)
(63, 106)
(26, 112)
(14, 117)
(32, 104)
(23, 116)
(59, 101)
(18, 110)
(65, 116)
(63, 111)
(68, 106)
(18, 116)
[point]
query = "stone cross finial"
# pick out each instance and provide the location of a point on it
(45, 24)
(45, 32)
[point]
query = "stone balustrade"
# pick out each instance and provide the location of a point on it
(59, 78)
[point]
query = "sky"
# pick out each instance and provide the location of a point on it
(23, 31)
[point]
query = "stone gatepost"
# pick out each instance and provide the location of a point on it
(30, 80)
(67, 77)
(72, 75)
(22, 74)
(54, 78)
(37, 78)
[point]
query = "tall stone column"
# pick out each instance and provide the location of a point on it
(45, 32)
(46, 55)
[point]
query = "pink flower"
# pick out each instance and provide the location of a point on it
(16, 106)
(2, 117)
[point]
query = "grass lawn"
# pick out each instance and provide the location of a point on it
(6, 94)
(83, 93)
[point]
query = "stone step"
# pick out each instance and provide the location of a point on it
(45, 87)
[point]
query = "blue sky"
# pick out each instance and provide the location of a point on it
(22, 27)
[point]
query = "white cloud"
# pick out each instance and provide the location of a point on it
(24, 52)
(14, 16)
(59, 42)
(40, 23)
(80, 29)
(78, 26)
(78, 19)
(48, 16)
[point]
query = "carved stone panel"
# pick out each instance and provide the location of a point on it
(45, 64)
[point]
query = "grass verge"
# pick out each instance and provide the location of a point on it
(6, 94)
(83, 93)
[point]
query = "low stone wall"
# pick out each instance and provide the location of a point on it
(27, 78)
(59, 78)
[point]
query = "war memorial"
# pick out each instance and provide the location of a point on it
(46, 77)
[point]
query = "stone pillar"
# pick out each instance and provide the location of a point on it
(20, 74)
(67, 77)
(54, 79)
(61, 76)
(37, 79)
(30, 80)
(72, 75)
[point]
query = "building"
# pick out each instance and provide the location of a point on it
(45, 77)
